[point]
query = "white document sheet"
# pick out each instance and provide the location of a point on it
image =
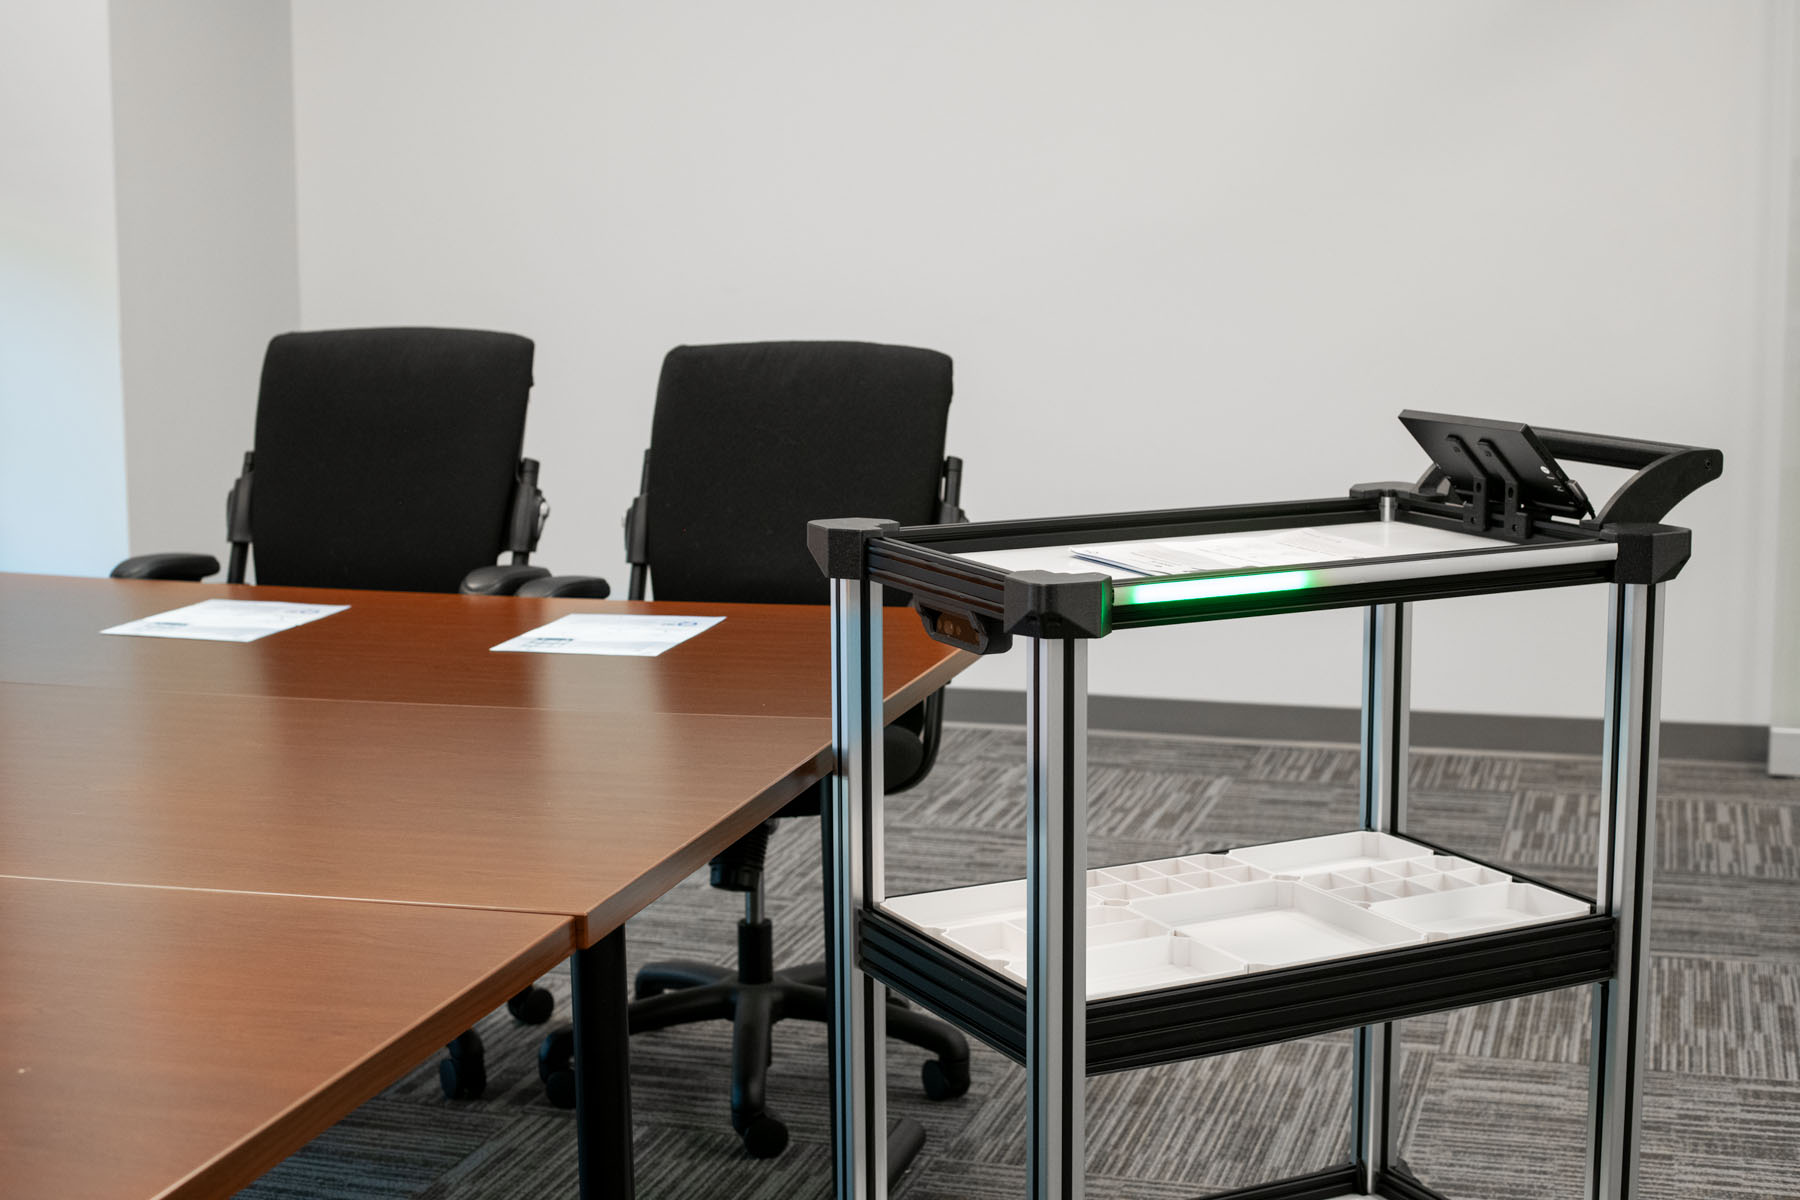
(609, 633)
(226, 620)
(1230, 552)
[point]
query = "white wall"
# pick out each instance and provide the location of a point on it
(203, 112)
(1784, 717)
(62, 458)
(1183, 254)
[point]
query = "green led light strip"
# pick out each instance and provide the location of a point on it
(1170, 590)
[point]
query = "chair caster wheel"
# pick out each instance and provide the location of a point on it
(559, 1089)
(532, 1006)
(462, 1081)
(556, 1059)
(463, 1075)
(945, 1080)
(764, 1136)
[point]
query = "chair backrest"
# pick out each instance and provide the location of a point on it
(751, 441)
(386, 458)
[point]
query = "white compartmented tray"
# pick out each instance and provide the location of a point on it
(1176, 921)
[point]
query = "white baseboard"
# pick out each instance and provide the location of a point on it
(1784, 751)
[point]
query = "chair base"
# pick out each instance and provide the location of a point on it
(678, 993)
(681, 992)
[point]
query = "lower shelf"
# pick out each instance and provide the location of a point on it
(1363, 958)
(1189, 919)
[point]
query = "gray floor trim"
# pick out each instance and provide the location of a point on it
(1784, 752)
(1303, 723)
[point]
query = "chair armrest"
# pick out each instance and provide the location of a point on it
(193, 567)
(500, 579)
(580, 587)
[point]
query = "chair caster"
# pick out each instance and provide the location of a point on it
(556, 1067)
(532, 1006)
(764, 1136)
(463, 1075)
(945, 1080)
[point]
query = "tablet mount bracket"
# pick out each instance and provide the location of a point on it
(1495, 502)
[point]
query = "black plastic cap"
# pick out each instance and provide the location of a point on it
(190, 567)
(567, 587)
(837, 544)
(1377, 491)
(499, 580)
(1649, 553)
(1051, 604)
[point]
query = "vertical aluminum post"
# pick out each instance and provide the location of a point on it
(853, 816)
(1386, 741)
(1056, 991)
(1627, 858)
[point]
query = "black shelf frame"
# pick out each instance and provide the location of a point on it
(1146, 1029)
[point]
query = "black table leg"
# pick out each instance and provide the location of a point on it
(602, 1069)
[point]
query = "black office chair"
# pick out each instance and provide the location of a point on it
(389, 458)
(383, 458)
(748, 443)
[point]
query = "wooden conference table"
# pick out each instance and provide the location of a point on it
(168, 1042)
(380, 754)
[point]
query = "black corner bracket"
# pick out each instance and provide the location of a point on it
(1649, 553)
(1051, 604)
(838, 545)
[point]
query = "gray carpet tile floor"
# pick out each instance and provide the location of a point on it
(1492, 1099)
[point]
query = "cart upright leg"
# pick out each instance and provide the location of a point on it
(1627, 859)
(1056, 992)
(1386, 743)
(853, 829)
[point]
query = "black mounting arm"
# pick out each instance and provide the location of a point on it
(1667, 472)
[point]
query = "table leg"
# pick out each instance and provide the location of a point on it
(600, 1001)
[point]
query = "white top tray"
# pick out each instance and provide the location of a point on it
(1176, 921)
(1360, 552)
